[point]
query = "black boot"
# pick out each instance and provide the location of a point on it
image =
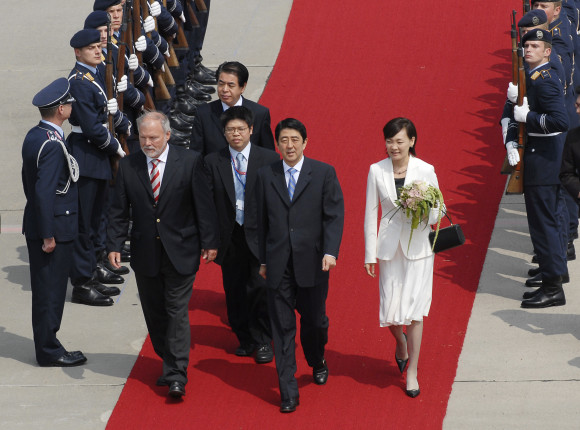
(550, 294)
(533, 272)
(571, 252)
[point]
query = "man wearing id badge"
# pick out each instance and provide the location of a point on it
(233, 177)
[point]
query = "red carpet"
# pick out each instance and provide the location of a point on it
(345, 69)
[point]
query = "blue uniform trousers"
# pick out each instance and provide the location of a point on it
(48, 280)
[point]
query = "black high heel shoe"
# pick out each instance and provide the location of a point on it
(402, 363)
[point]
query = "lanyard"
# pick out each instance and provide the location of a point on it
(238, 174)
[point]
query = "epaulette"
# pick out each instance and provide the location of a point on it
(53, 136)
(556, 32)
(543, 73)
(88, 76)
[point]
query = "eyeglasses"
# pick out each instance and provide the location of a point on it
(232, 130)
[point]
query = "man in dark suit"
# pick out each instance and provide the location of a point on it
(233, 173)
(207, 135)
(300, 222)
(174, 223)
(50, 222)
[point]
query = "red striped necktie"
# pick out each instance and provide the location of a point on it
(155, 179)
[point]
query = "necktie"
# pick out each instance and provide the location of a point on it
(291, 182)
(155, 179)
(240, 183)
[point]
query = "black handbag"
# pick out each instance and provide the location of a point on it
(448, 237)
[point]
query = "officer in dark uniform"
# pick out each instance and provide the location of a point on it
(50, 221)
(544, 114)
(92, 145)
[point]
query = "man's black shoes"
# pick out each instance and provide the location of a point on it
(320, 373)
(264, 354)
(289, 405)
(68, 359)
(176, 390)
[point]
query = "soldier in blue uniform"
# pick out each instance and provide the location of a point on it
(50, 221)
(545, 117)
(92, 144)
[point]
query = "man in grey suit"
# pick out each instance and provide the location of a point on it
(233, 171)
(300, 222)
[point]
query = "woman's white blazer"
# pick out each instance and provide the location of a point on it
(395, 228)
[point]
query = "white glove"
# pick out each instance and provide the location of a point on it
(155, 8)
(505, 122)
(120, 151)
(122, 84)
(167, 53)
(512, 93)
(141, 44)
(182, 17)
(112, 106)
(512, 153)
(150, 82)
(521, 112)
(133, 62)
(149, 24)
(163, 68)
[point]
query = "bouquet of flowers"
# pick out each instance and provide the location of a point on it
(417, 199)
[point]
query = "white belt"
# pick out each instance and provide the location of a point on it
(544, 135)
(77, 129)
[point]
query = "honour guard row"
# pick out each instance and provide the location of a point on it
(540, 123)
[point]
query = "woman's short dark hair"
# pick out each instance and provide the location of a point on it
(395, 125)
(293, 124)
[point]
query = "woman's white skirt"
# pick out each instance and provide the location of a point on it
(406, 288)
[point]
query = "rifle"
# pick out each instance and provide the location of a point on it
(172, 61)
(526, 6)
(136, 32)
(121, 71)
(109, 89)
(506, 169)
(200, 5)
(191, 13)
(161, 78)
(516, 180)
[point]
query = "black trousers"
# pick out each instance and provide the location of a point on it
(92, 193)
(245, 292)
(310, 302)
(164, 300)
(48, 280)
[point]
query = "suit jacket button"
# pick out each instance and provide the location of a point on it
(157, 237)
(533, 149)
(158, 220)
(291, 229)
(67, 213)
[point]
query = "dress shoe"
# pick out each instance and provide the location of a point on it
(402, 363)
(245, 350)
(533, 272)
(530, 294)
(104, 260)
(125, 256)
(86, 294)
(550, 294)
(105, 276)
(197, 61)
(289, 405)
(320, 373)
(203, 77)
(176, 389)
(183, 117)
(571, 252)
(185, 106)
(574, 235)
(413, 393)
(104, 289)
(536, 281)
(205, 88)
(264, 354)
(180, 142)
(68, 359)
(178, 123)
(534, 259)
(192, 91)
(180, 135)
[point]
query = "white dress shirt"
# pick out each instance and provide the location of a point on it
(160, 166)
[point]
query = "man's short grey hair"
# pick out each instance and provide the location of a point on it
(155, 116)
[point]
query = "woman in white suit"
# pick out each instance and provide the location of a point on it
(405, 269)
